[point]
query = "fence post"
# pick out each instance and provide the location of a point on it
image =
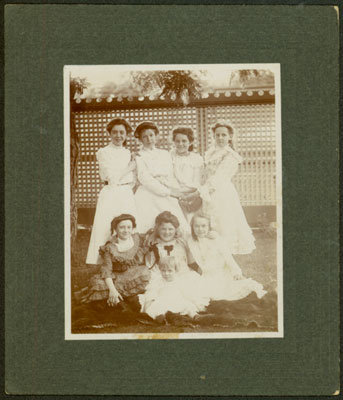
(202, 128)
(74, 158)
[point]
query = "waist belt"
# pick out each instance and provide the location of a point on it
(119, 184)
(117, 267)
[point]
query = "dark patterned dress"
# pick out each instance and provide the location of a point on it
(130, 275)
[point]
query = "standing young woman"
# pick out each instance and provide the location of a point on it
(188, 166)
(158, 190)
(116, 197)
(219, 195)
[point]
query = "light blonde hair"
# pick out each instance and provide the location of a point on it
(212, 233)
(167, 261)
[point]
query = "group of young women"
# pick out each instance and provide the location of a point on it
(167, 223)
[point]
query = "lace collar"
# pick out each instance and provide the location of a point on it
(123, 245)
(145, 150)
(175, 154)
(215, 153)
(113, 146)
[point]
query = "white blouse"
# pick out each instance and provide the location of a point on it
(213, 255)
(220, 166)
(155, 171)
(112, 162)
(188, 169)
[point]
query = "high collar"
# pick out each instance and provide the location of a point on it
(113, 146)
(148, 150)
(217, 152)
(176, 154)
(124, 245)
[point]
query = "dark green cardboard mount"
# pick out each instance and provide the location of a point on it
(40, 40)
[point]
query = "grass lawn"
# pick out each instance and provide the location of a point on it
(247, 315)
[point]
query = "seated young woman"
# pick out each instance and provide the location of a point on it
(165, 239)
(222, 276)
(175, 279)
(123, 273)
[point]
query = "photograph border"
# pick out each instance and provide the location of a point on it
(273, 67)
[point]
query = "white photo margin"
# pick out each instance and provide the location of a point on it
(275, 68)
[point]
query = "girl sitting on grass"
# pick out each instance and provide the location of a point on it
(165, 239)
(123, 273)
(172, 291)
(223, 278)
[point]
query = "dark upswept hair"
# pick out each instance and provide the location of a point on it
(183, 130)
(223, 125)
(120, 218)
(229, 127)
(167, 217)
(143, 126)
(119, 121)
(164, 217)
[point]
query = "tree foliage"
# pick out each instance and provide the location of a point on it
(179, 86)
(246, 77)
(77, 85)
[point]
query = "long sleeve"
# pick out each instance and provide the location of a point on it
(147, 180)
(106, 268)
(205, 192)
(106, 170)
(230, 261)
(218, 173)
(198, 173)
(234, 267)
(228, 168)
(187, 169)
(189, 255)
(140, 255)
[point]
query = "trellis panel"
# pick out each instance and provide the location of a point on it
(255, 125)
(255, 142)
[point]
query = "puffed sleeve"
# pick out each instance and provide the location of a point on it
(139, 257)
(198, 166)
(183, 243)
(228, 168)
(106, 170)
(102, 165)
(147, 180)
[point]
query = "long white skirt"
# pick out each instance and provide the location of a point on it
(229, 219)
(112, 201)
(149, 205)
(219, 285)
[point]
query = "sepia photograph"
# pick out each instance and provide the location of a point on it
(173, 201)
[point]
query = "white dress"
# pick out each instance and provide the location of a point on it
(156, 178)
(114, 199)
(188, 170)
(181, 295)
(219, 270)
(221, 200)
